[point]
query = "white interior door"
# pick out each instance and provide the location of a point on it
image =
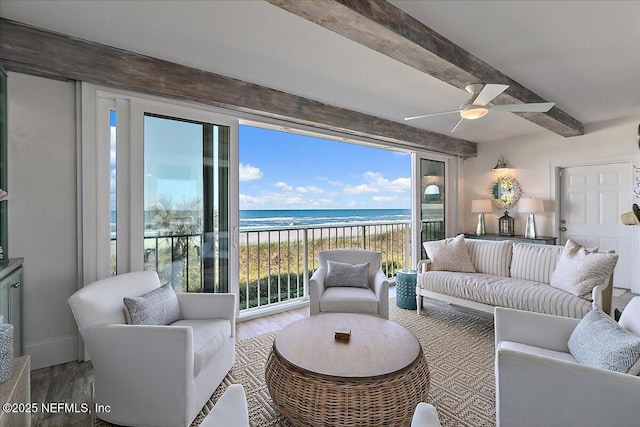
(592, 198)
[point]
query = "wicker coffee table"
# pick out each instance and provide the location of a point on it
(375, 379)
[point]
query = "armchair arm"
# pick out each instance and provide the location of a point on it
(316, 288)
(380, 286)
(534, 390)
(208, 306)
(148, 365)
(536, 329)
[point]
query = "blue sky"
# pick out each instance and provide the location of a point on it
(281, 170)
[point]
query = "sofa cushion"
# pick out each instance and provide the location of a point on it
(579, 269)
(598, 341)
(349, 300)
(345, 274)
(505, 292)
(449, 255)
(209, 336)
(158, 307)
(534, 262)
(489, 256)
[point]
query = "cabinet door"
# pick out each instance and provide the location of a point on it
(10, 307)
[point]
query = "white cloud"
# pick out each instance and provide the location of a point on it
(249, 173)
(330, 182)
(384, 198)
(284, 186)
(309, 189)
(250, 200)
(377, 180)
(359, 189)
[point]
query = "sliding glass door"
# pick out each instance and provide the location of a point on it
(186, 217)
(433, 219)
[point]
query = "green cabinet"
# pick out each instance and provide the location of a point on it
(11, 299)
(541, 240)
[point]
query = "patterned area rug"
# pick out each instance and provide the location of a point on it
(458, 347)
(459, 350)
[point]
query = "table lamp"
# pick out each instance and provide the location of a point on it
(481, 206)
(530, 205)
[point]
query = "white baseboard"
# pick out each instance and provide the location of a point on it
(52, 351)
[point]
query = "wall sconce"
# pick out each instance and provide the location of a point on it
(530, 205)
(481, 206)
(501, 163)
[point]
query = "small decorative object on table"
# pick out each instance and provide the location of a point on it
(342, 333)
(6, 351)
(506, 225)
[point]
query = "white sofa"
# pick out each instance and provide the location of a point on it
(514, 275)
(539, 382)
(154, 375)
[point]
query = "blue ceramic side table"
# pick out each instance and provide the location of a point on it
(406, 289)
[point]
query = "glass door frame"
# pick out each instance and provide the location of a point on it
(94, 171)
(451, 202)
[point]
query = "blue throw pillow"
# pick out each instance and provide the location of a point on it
(343, 274)
(158, 307)
(600, 342)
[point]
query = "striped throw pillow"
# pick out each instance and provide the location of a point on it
(490, 257)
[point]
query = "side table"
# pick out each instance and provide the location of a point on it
(406, 289)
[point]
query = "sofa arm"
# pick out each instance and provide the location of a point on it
(380, 286)
(316, 288)
(536, 329)
(209, 306)
(602, 294)
(534, 390)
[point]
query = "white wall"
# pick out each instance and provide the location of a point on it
(532, 161)
(42, 212)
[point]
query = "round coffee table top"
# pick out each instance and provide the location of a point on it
(377, 346)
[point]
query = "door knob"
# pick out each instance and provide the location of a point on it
(563, 228)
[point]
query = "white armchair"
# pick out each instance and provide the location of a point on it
(374, 300)
(230, 410)
(539, 383)
(154, 375)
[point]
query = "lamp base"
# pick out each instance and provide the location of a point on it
(530, 228)
(480, 227)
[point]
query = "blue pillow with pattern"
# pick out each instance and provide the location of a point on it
(598, 341)
(158, 307)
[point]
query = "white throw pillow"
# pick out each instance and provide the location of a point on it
(579, 269)
(449, 255)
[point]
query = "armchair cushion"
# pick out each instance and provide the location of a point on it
(209, 336)
(349, 300)
(598, 341)
(157, 307)
(345, 274)
(449, 255)
(579, 269)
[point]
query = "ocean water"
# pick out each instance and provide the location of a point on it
(251, 219)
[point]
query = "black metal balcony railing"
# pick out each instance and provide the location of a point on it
(275, 264)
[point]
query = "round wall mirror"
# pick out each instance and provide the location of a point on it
(505, 192)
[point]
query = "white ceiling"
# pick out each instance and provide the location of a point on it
(584, 55)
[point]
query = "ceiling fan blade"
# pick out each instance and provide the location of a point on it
(432, 114)
(462, 125)
(537, 107)
(488, 93)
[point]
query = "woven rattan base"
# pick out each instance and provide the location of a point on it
(309, 399)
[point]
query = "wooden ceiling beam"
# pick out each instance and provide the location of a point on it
(31, 50)
(387, 29)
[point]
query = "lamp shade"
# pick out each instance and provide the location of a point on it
(481, 206)
(530, 205)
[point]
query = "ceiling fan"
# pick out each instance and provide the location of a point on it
(479, 105)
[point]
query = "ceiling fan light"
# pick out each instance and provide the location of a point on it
(473, 112)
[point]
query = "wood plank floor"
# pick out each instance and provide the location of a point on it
(73, 382)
